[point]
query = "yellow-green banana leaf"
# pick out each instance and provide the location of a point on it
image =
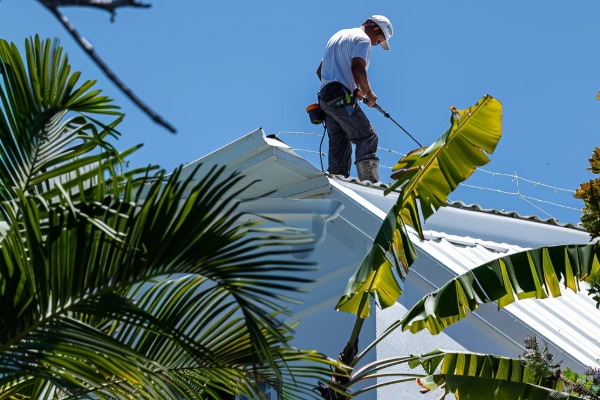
(452, 158)
(429, 174)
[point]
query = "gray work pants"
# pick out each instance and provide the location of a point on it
(345, 128)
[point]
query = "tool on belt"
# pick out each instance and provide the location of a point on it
(316, 115)
(345, 98)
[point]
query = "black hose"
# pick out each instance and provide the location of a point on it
(387, 115)
(321, 146)
(405, 131)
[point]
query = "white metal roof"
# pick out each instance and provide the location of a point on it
(498, 227)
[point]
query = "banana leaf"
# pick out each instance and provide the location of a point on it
(483, 376)
(466, 375)
(451, 159)
(426, 177)
(536, 273)
(375, 275)
(471, 388)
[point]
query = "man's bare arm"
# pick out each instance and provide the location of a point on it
(319, 70)
(359, 72)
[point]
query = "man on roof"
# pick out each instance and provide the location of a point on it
(343, 75)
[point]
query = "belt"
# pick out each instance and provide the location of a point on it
(346, 99)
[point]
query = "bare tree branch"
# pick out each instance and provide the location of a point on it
(105, 4)
(109, 5)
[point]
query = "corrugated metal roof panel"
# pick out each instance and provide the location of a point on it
(513, 214)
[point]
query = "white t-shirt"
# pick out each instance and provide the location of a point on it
(339, 52)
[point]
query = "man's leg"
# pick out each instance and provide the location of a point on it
(366, 161)
(340, 149)
(360, 132)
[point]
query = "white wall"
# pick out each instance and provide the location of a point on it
(398, 344)
(321, 327)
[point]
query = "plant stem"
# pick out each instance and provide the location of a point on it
(393, 382)
(351, 348)
(389, 330)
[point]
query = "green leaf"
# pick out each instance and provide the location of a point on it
(91, 297)
(452, 158)
(119, 284)
(375, 275)
(429, 175)
(482, 376)
(533, 273)
(40, 142)
(471, 388)
(467, 375)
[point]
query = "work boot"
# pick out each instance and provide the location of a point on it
(368, 170)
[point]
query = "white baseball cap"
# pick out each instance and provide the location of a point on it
(386, 27)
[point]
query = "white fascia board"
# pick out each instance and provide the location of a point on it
(359, 200)
(253, 142)
(241, 149)
(276, 170)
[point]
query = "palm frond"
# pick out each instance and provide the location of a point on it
(86, 278)
(208, 315)
(46, 132)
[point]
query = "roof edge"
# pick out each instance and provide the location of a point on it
(472, 207)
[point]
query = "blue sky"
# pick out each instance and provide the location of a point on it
(218, 70)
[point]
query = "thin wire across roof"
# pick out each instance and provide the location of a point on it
(473, 207)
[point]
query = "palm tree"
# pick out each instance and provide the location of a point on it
(120, 284)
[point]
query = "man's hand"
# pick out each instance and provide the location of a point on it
(371, 99)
